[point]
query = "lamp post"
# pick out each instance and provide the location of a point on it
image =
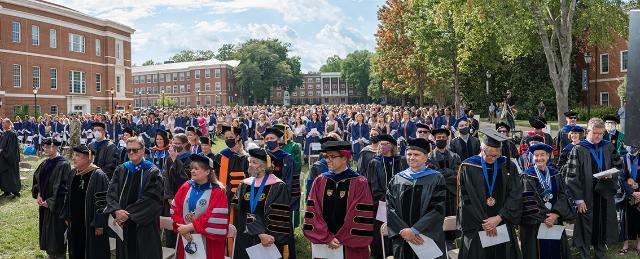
(587, 60)
(112, 104)
(488, 74)
(198, 101)
(35, 102)
(162, 91)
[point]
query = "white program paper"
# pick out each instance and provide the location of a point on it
(554, 232)
(260, 252)
(381, 215)
(115, 227)
(502, 237)
(323, 251)
(428, 249)
(201, 252)
(609, 172)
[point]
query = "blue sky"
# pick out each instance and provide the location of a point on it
(316, 29)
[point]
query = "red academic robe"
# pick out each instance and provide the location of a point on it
(355, 234)
(211, 219)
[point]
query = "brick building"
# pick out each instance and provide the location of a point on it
(320, 88)
(606, 72)
(73, 59)
(210, 81)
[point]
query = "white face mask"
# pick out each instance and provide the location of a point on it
(611, 128)
(97, 134)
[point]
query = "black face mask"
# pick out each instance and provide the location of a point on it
(230, 143)
(374, 139)
(441, 143)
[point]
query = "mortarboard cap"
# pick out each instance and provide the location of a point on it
(502, 125)
(541, 146)
(419, 144)
(613, 118)
(51, 141)
(235, 130)
(576, 128)
(335, 146)
(194, 130)
(99, 124)
(421, 125)
(538, 122)
(325, 139)
(441, 131)
(536, 138)
(206, 140)
(387, 137)
(274, 131)
(570, 113)
(207, 161)
(493, 138)
(129, 131)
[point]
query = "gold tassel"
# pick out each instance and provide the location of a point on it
(285, 252)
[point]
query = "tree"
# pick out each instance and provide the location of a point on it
(356, 69)
(334, 64)
(190, 55)
(148, 63)
(226, 52)
(622, 90)
(168, 102)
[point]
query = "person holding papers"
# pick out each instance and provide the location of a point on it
(416, 203)
(630, 210)
(594, 197)
(544, 204)
(200, 212)
(134, 200)
(490, 201)
(262, 202)
(339, 209)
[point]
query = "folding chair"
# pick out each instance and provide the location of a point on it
(449, 224)
(166, 223)
(313, 147)
(383, 233)
(232, 233)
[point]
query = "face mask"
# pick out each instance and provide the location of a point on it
(385, 149)
(441, 143)
(374, 139)
(464, 131)
(97, 134)
(122, 143)
(271, 145)
(231, 143)
(178, 149)
(610, 128)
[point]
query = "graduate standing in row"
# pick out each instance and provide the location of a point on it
(490, 195)
(106, 153)
(84, 206)
(340, 209)
(200, 212)
(262, 203)
(544, 201)
(630, 211)
(50, 185)
(416, 203)
(9, 161)
(563, 139)
(134, 200)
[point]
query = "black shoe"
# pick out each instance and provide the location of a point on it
(5, 194)
(16, 195)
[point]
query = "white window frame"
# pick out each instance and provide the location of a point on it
(218, 72)
(35, 76)
(118, 83)
(53, 75)
(207, 100)
(51, 109)
(197, 87)
(601, 94)
(168, 77)
(197, 74)
(218, 87)
(207, 73)
(53, 38)
(82, 82)
(76, 46)
(294, 94)
(98, 82)
(601, 64)
(622, 68)
(98, 47)
(161, 78)
(16, 36)
(17, 78)
(118, 50)
(181, 76)
(35, 35)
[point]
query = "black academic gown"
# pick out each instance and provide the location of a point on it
(84, 205)
(379, 173)
(366, 155)
(465, 149)
(10, 163)
(418, 203)
(51, 181)
(447, 163)
(107, 156)
(142, 199)
(597, 194)
(473, 209)
(534, 212)
(175, 173)
(271, 217)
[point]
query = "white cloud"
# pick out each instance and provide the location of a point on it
(291, 10)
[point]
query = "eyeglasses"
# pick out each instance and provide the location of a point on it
(133, 150)
(332, 157)
(572, 117)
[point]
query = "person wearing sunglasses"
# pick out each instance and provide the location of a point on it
(340, 207)
(134, 200)
(200, 212)
(50, 185)
(562, 139)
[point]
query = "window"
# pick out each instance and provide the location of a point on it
(175, 77)
(53, 72)
(155, 90)
(175, 89)
(53, 39)
(77, 82)
(118, 50)
(218, 99)
(207, 73)
(317, 86)
(118, 83)
(17, 108)
(76, 43)
(148, 78)
(98, 83)
(218, 86)
(604, 63)
(15, 32)
(168, 77)
(188, 88)
(309, 86)
(301, 93)
(167, 89)
(54, 109)
(217, 73)
(182, 76)
(35, 75)
(181, 88)
(188, 75)
(142, 79)
(624, 60)
(294, 94)
(317, 80)
(309, 80)
(197, 87)
(318, 93)
(148, 90)
(604, 98)
(35, 35)
(154, 78)
(161, 77)
(17, 75)
(98, 47)
(99, 109)
(197, 74)
(310, 93)
(207, 87)
(207, 100)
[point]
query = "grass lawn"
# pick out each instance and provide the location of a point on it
(19, 224)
